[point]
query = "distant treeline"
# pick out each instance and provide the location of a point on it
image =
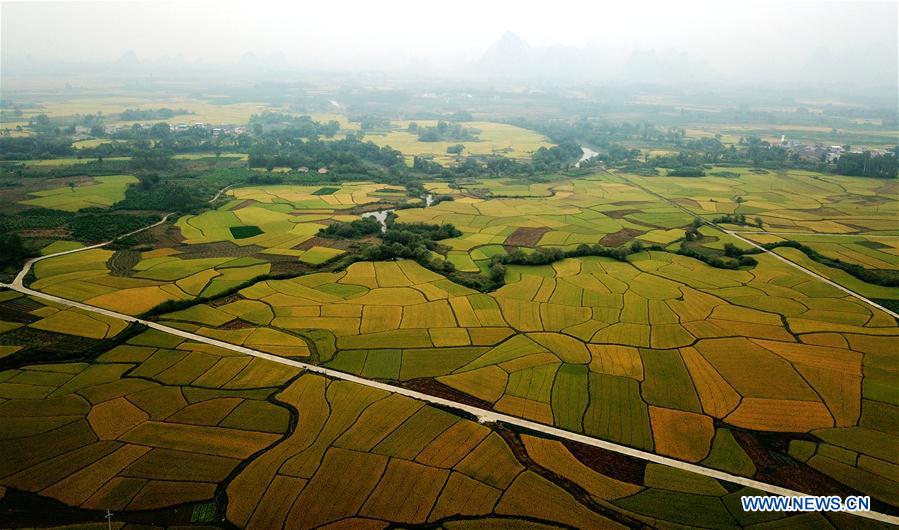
(349, 155)
(151, 114)
(287, 127)
(444, 132)
(868, 165)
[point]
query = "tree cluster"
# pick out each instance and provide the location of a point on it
(867, 165)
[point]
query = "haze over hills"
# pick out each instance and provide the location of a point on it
(511, 57)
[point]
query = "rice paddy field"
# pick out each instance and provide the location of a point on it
(762, 372)
(788, 202)
(97, 192)
(564, 214)
(874, 253)
(493, 138)
(204, 111)
(258, 231)
(179, 432)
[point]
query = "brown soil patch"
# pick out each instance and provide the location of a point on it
(288, 267)
(614, 465)
(238, 324)
(364, 208)
(244, 204)
(618, 214)
(219, 249)
(633, 203)
(775, 468)
(526, 237)
(690, 203)
(22, 304)
(825, 211)
(513, 440)
(438, 389)
(224, 300)
(340, 244)
(620, 237)
(166, 235)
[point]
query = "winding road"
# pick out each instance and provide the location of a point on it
(483, 415)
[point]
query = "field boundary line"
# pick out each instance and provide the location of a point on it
(483, 415)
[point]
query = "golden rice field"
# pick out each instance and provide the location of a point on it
(158, 425)
(493, 138)
(788, 202)
(650, 353)
(660, 352)
(876, 253)
(203, 111)
(564, 214)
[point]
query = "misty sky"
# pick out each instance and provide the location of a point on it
(737, 39)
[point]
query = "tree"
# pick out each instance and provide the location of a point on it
(867, 165)
(12, 249)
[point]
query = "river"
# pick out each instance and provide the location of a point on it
(588, 154)
(381, 215)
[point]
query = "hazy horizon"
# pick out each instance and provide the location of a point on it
(837, 42)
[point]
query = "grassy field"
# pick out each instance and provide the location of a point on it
(493, 138)
(101, 191)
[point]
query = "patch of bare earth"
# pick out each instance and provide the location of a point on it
(238, 324)
(618, 214)
(620, 237)
(340, 244)
(689, 203)
(244, 204)
(526, 236)
(219, 249)
(166, 235)
(436, 388)
(288, 267)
